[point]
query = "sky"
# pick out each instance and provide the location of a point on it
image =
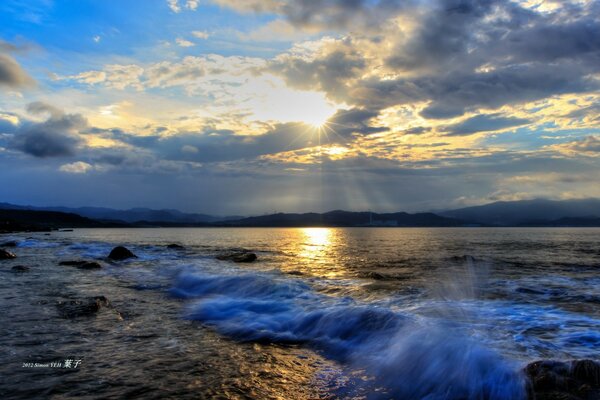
(257, 106)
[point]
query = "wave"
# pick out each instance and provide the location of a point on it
(408, 357)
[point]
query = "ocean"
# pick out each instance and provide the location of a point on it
(323, 313)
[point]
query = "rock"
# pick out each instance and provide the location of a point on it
(12, 243)
(82, 308)
(240, 257)
(20, 268)
(81, 264)
(6, 255)
(90, 265)
(72, 263)
(121, 253)
(175, 246)
(574, 380)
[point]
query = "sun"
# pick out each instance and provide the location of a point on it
(274, 101)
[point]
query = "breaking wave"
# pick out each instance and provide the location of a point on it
(407, 356)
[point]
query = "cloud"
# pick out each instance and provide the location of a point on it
(184, 43)
(589, 144)
(11, 73)
(457, 55)
(484, 123)
(354, 121)
(332, 69)
(201, 34)
(324, 14)
(78, 167)
(175, 6)
(58, 136)
(188, 72)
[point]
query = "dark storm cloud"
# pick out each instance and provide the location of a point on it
(224, 145)
(463, 55)
(11, 73)
(330, 73)
(58, 136)
(443, 35)
(335, 14)
(483, 123)
(355, 121)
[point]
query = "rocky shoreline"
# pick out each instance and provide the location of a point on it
(546, 379)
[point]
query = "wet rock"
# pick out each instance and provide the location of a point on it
(82, 308)
(239, 257)
(20, 268)
(12, 243)
(6, 255)
(72, 263)
(574, 380)
(90, 265)
(175, 246)
(81, 264)
(121, 253)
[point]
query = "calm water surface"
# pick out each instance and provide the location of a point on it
(362, 313)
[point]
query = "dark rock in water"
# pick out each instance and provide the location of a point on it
(6, 255)
(121, 253)
(82, 308)
(90, 265)
(81, 264)
(72, 263)
(240, 257)
(175, 246)
(12, 243)
(20, 268)
(557, 380)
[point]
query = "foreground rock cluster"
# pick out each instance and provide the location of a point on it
(558, 380)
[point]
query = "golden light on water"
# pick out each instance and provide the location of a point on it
(317, 250)
(317, 237)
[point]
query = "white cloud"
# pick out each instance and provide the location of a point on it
(201, 34)
(174, 5)
(184, 43)
(191, 4)
(78, 167)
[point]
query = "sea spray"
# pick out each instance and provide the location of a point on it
(409, 357)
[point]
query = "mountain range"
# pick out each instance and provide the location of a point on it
(538, 212)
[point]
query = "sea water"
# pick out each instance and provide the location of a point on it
(375, 313)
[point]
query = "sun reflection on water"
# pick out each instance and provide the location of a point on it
(316, 250)
(318, 237)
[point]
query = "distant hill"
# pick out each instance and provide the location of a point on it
(346, 218)
(130, 216)
(31, 220)
(538, 212)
